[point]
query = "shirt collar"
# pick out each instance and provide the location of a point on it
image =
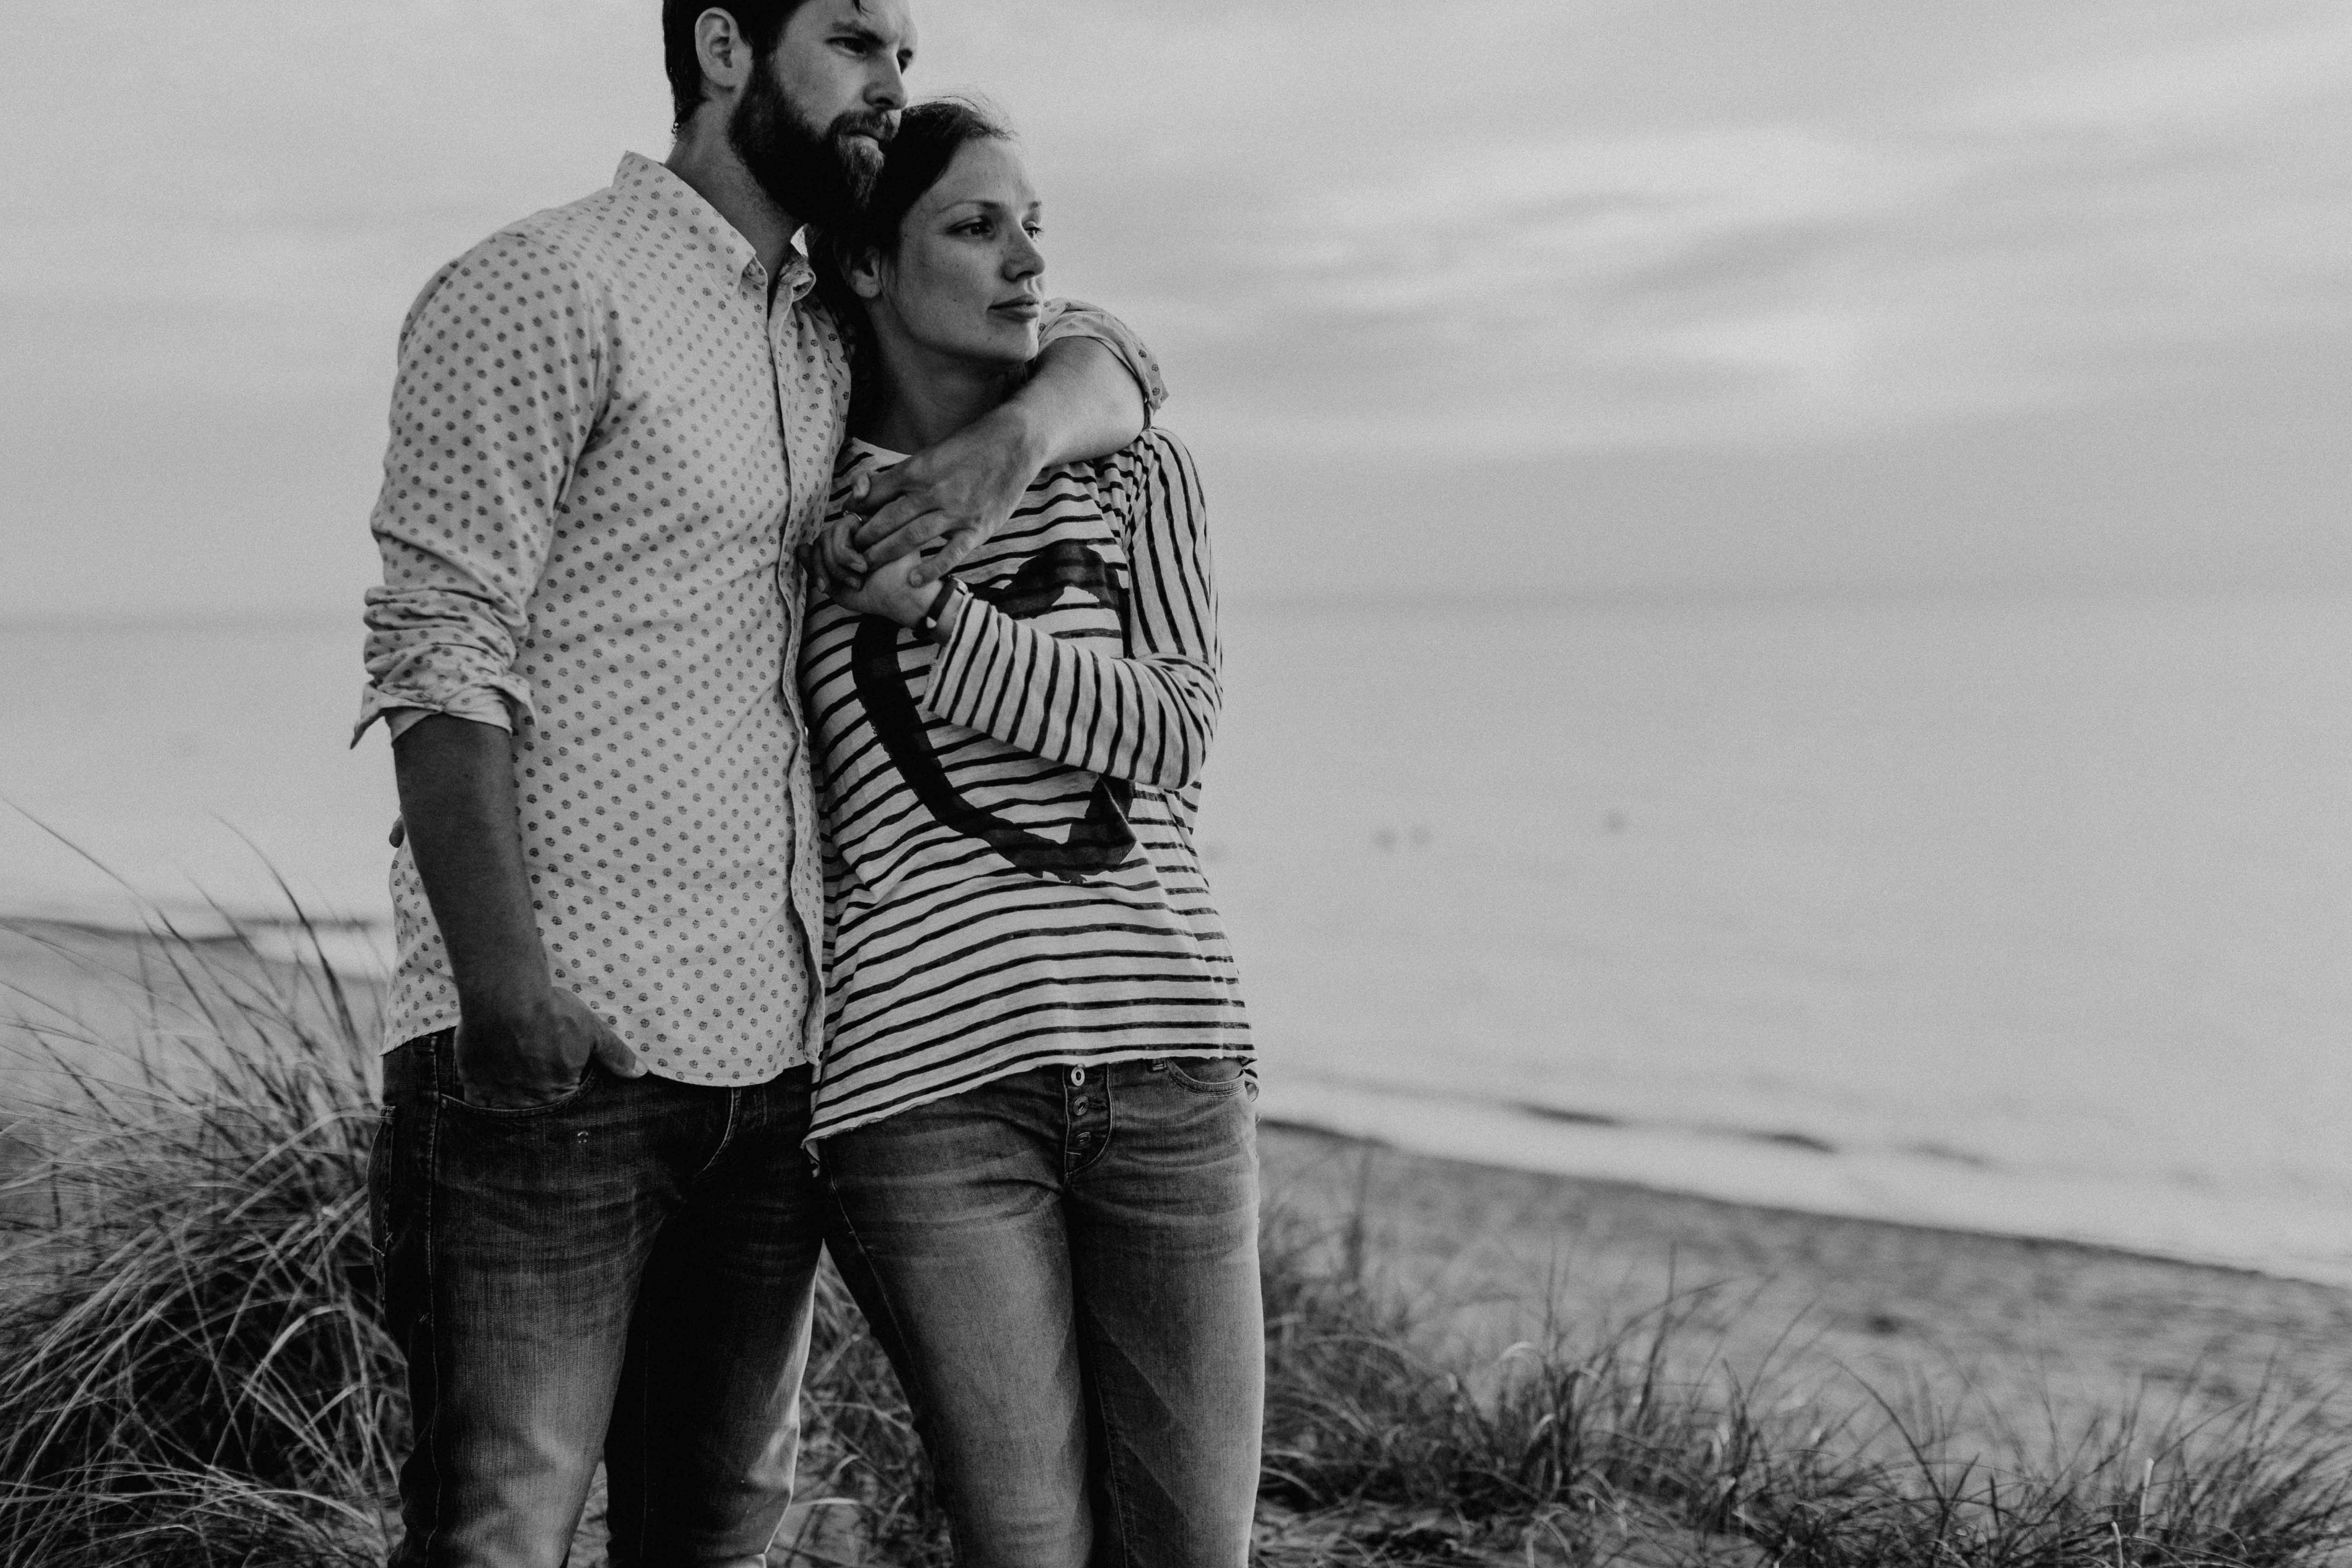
(797, 277)
(699, 226)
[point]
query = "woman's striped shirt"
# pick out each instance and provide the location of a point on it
(1010, 878)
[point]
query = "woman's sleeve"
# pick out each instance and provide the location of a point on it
(1147, 716)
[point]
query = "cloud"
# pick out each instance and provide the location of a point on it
(2052, 239)
(1361, 232)
(2269, 69)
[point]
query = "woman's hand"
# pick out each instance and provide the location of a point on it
(888, 589)
(834, 558)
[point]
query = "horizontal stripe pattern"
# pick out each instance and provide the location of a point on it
(1010, 875)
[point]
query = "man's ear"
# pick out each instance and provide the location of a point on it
(727, 56)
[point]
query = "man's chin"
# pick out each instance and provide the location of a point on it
(861, 164)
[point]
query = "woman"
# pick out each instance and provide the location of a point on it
(1035, 1112)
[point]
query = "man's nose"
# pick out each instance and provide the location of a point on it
(888, 89)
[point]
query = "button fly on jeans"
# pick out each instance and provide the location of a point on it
(1078, 1077)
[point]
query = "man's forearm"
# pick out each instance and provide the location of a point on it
(1080, 403)
(458, 799)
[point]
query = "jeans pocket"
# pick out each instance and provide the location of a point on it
(1208, 1075)
(588, 1077)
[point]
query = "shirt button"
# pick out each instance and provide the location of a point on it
(1078, 1077)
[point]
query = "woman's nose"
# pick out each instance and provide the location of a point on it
(1025, 260)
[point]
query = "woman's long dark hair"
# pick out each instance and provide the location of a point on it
(929, 136)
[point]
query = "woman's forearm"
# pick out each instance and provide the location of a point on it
(1146, 713)
(1148, 720)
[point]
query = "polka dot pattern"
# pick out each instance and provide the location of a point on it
(607, 445)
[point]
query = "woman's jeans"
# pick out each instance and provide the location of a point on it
(625, 1272)
(1062, 1266)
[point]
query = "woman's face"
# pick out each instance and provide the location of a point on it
(968, 280)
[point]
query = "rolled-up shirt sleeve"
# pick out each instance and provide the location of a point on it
(502, 374)
(1076, 319)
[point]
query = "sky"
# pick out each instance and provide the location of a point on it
(1495, 297)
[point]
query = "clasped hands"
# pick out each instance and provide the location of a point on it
(912, 524)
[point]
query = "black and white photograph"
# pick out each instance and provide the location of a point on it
(1089, 784)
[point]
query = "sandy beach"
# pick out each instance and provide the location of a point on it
(1993, 1330)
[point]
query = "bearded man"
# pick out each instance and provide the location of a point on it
(614, 426)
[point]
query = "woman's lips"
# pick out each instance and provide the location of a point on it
(1027, 309)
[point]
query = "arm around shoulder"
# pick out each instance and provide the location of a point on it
(1081, 402)
(1089, 391)
(1074, 321)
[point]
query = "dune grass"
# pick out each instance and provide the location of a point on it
(192, 1373)
(191, 1370)
(1584, 1444)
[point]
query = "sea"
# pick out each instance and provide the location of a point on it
(2021, 914)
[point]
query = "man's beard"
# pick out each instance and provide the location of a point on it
(820, 177)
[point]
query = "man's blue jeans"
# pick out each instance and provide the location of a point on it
(1062, 1266)
(627, 1270)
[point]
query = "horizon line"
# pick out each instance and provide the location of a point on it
(1521, 602)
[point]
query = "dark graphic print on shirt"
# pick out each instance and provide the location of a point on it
(1099, 841)
(948, 963)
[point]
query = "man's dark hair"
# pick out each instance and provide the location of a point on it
(762, 22)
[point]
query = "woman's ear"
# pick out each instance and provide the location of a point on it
(864, 272)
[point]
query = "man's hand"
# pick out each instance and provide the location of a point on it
(521, 1042)
(1078, 403)
(888, 589)
(521, 1058)
(958, 493)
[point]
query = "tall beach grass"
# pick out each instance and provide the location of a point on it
(192, 1371)
(191, 1368)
